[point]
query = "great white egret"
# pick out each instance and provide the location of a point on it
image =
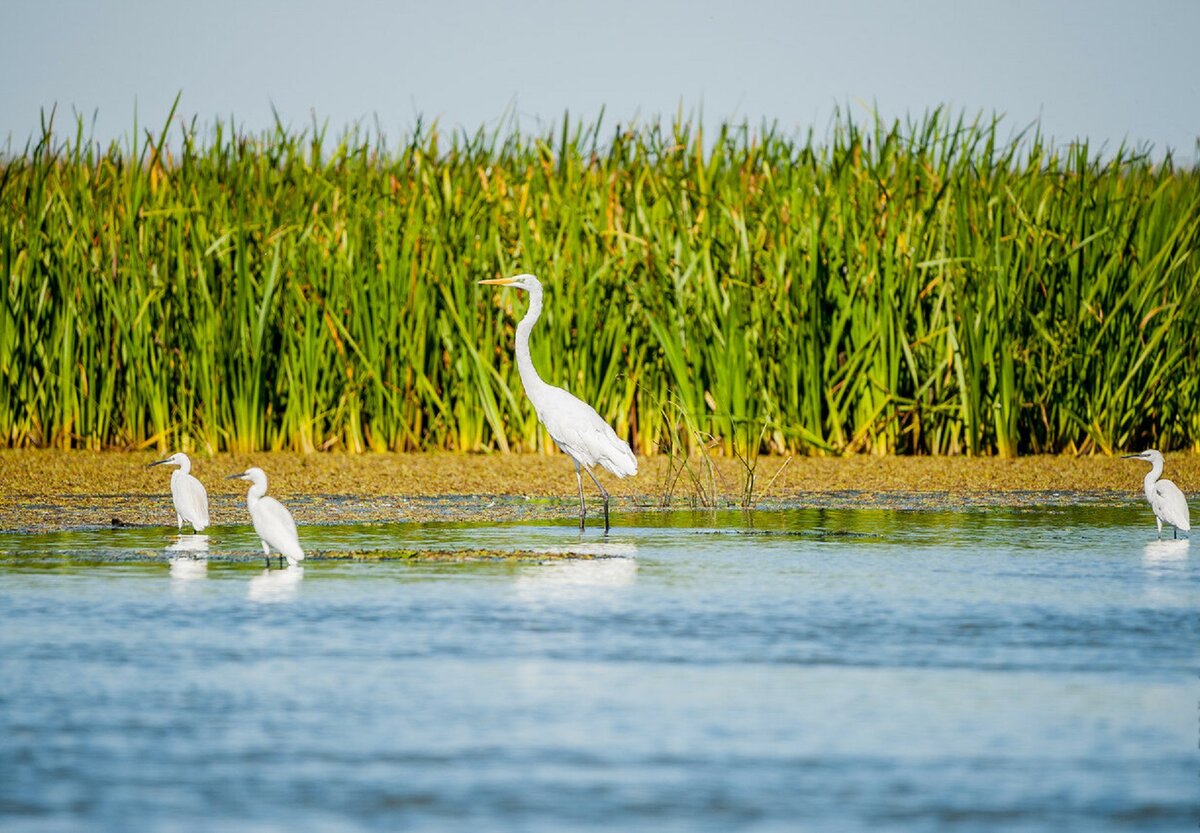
(272, 521)
(1165, 498)
(191, 501)
(572, 423)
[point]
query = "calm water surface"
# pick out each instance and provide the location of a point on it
(830, 670)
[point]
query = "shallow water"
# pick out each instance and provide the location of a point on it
(798, 670)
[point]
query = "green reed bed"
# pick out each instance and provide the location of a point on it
(935, 287)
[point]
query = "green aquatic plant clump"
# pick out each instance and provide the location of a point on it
(919, 287)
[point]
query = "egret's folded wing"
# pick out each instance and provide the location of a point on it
(191, 501)
(195, 502)
(274, 523)
(588, 438)
(1172, 505)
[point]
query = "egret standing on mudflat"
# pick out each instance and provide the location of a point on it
(272, 521)
(572, 423)
(1165, 498)
(191, 501)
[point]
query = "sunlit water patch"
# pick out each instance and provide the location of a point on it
(823, 669)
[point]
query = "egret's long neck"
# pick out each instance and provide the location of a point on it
(529, 374)
(185, 465)
(257, 490)
(1156, 468)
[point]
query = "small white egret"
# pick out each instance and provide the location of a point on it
(191, 501)
(1164, 497)
(272, 521)
(572, 423)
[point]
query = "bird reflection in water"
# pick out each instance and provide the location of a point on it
(276, 585)
(194, 545)
(188, 560)
(1168, 553)
(573, 579)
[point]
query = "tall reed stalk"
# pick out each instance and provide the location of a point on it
(923, 287)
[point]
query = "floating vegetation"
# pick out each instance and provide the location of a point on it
(411, 556)
(818, 534)
(938, 286)
(457, 555)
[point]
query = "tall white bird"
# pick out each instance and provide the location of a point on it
(191, 501)
(572, 423)
(1165, 498)
(272, 521)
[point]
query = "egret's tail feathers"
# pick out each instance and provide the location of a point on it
(620, 462)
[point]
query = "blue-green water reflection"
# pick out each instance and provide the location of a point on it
(809, 669)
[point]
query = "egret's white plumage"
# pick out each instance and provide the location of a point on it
(191, 501)
(572, 423)
(1165, 497)
(272, 521)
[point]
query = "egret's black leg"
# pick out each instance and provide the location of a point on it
(1174, 533)
(604, 492)
(582, 506)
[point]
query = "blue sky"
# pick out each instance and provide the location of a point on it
(1108, 71)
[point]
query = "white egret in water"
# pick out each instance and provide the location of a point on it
(191, 501)
(272, 521)
(1165, 498)
(572, 423)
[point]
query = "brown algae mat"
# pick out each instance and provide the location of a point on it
(48, 490)
(410, 556)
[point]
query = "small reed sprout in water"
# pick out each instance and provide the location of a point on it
(938, 286)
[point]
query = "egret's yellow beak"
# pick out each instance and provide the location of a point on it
(499, 281)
